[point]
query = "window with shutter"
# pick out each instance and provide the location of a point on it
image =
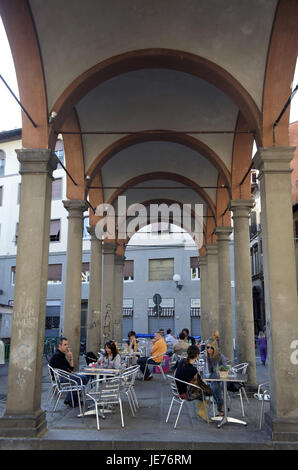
(54, 273)
(194, 268)
(128, 270)
(85, 277)
(57, 189)
(55, 230)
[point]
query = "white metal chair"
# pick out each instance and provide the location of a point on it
(65, 384)
(53, 384)
(127, 387)
(180, 401)
(156, 364)
(104, 393)
(263, 396)
(241, 369)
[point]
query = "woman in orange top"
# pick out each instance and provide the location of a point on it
(159, 348)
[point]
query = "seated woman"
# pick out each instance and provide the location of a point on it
(214, 359)
(186, 371)
(132, 343)
(111, 358)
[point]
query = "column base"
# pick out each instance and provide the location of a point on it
(27, 425)
(281, 429)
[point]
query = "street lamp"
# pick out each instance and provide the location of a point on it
(177, 279)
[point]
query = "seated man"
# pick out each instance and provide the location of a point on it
(63, 359)
(159, 348)
(182, 346)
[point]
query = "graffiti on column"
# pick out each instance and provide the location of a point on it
(107, 327)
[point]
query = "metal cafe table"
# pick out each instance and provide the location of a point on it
(240, 378)
(97, 372)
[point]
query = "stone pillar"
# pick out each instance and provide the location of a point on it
(73, 281)
(108, 289)
(224, 292)
(118, 310)
(280, 289)
(94, 301)
(212, 287)
(203, 298)
(23, 416)
(245, 344)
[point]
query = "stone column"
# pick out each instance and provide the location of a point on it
(108, 289)
(94, 301)
(73, 281)
(245, 343)
(118, 310)
(23, 416)
(203, 298)
(224, 292)
(212, 287)
(280, 289)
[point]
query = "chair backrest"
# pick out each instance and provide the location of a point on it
(241, 368)
(173, 386)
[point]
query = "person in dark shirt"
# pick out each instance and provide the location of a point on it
(186, 371)
(188, 339)
(63, 359)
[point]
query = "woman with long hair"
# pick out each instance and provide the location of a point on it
(214, 359)
(111, 358)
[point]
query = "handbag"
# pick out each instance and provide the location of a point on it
(196, 394)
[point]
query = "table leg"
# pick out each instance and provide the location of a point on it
(226, 419)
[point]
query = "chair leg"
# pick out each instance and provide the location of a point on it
(241, 402)
(170, 409)
(261, 414)
(178, 416)
(245, 394)
(97, 417)
(121, 413)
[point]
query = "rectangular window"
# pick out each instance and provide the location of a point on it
(55, 230)
(85, 277)
(57, 189)
(1, 195)
(161, 269)
(16, 233)
(54, 273)
(2, 162)
(194, 268)
(59, 151)
(12, 275)
(296, 230)
(167, 308)
(127, 308)
(128, 270)
(195, 307)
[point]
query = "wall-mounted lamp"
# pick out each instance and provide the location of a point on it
(177, 279)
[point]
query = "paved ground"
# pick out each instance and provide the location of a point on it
(148, 429)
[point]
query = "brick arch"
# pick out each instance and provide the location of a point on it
(164, 176)
(157, 58)
(24, 47)
(280, 68)
(164, 136)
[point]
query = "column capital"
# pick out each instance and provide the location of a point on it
(110, 247)
(223, 233)
(36, 161)
(75, 207)
(92, 233)
(274, 159)
(211, 249)
(241, 207)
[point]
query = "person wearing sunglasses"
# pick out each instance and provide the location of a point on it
(213, 360)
